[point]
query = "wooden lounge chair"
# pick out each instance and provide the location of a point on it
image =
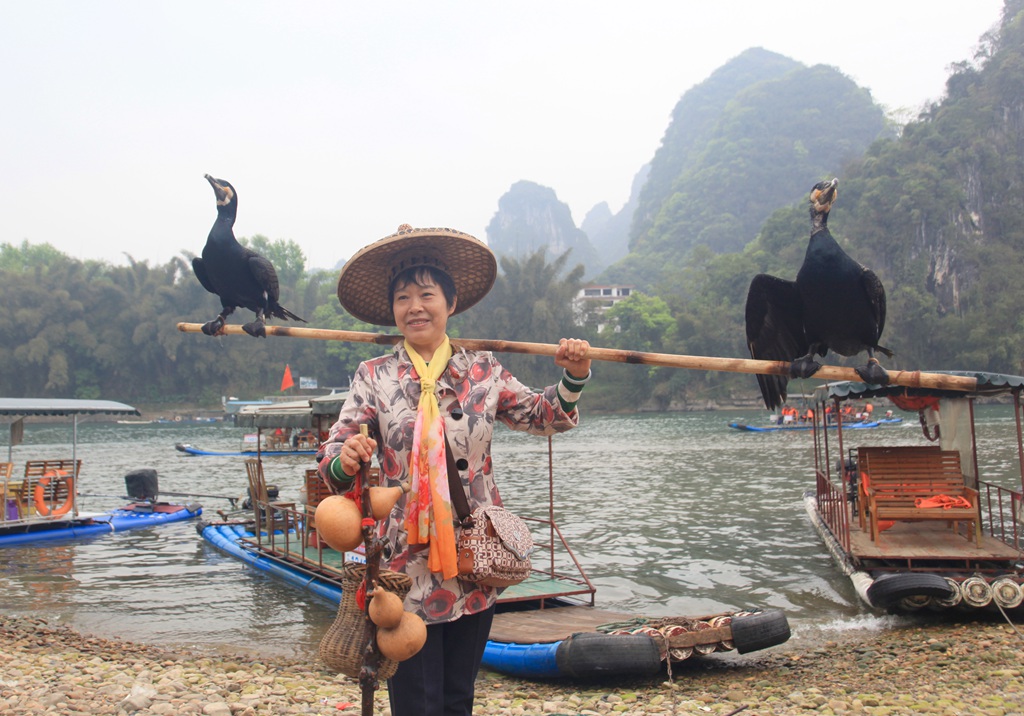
(898, 482)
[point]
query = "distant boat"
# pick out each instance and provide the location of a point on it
(770, 428)
(302, 420)
(233, 405)
(190, 449)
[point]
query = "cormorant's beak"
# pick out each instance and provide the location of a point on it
(223, 193)
(830, 192)
(823, 197)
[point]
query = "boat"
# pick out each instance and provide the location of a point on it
(232, 405)
(283, 428)
(917, 526)
(545, 627)
(787, 427)
(132, 516)
(190, 449)
(41, 505)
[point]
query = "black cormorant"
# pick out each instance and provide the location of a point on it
(835, 303)
(240, 276)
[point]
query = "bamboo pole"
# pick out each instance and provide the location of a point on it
(905, 378)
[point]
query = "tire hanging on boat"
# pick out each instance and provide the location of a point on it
(50, 482)
(589, 654)
(759, 630)
(888, 589)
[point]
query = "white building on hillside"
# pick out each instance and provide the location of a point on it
(594, 300)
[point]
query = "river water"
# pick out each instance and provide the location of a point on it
(669, 514)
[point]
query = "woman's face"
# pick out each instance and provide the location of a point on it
(421, 314)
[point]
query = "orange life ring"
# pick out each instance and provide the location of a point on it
(39, 493)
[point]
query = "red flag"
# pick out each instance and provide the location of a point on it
(286, 381)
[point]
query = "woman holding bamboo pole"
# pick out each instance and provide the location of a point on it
(427, 396)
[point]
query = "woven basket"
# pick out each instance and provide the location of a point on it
(343, 646)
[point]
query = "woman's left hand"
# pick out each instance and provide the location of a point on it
(572, 355)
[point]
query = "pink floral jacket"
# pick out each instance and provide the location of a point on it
(473, 393)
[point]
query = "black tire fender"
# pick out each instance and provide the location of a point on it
(888, 589)
(760, 630)
(592, 654)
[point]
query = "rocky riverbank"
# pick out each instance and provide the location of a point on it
(966, 668)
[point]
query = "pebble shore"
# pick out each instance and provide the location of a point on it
(942, 669)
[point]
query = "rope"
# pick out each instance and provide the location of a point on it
(1007, 618)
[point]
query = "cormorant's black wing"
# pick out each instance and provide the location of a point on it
(266, 277)
(263, 271)
(876, 297)
(199, 269)
(775, 330)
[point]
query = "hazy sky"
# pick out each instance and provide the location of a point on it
(338, 121)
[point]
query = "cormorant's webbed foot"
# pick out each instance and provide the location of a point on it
(256, 329)
(873, 373)
(804, 367)
(214, 327)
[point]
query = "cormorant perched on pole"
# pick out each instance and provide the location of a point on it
(835, 303)
(240, 276)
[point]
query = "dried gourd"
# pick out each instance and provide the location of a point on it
(385, 609)
(404, 640)
(339, 523)
(383, 499)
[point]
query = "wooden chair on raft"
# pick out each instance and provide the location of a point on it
(57, 478)
(271, 516)
(912, 483)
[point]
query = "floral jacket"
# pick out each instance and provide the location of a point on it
(473, 393)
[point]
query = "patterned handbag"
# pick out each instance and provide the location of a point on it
(494, 548)
(493, 545)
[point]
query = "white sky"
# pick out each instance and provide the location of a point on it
(337, 121)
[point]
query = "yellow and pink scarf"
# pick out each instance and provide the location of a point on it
(430, 520)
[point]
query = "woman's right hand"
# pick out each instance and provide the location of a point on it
(355, 451)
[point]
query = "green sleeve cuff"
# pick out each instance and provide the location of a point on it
(569, 389)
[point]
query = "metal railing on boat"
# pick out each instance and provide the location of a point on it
(289, 536)
(286, 533)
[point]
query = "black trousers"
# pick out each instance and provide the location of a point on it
(440, 679)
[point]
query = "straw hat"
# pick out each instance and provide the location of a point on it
(363, 284)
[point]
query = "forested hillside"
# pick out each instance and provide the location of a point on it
(741, 144)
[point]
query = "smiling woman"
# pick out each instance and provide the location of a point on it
(429, 410)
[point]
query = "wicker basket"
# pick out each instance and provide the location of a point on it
(343, 646)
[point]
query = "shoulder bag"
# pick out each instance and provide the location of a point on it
(494, 545)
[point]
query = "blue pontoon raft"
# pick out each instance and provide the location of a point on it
(41, 499)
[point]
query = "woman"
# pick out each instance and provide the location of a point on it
(428, 396)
